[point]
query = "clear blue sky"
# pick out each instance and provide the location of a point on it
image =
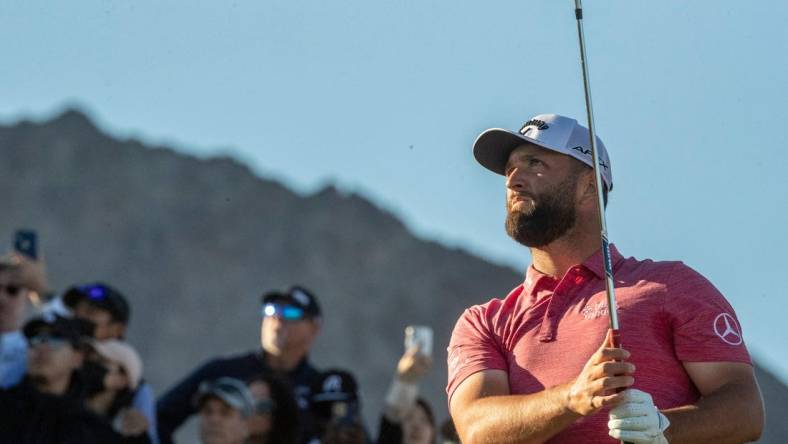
(385, 98)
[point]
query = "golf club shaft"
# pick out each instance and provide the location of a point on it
(612, 308)
(609, 283)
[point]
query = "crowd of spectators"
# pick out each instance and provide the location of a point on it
(68, 375)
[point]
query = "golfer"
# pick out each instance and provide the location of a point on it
(536, 366)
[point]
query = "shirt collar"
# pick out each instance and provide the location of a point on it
(532, 279)
(594, 263)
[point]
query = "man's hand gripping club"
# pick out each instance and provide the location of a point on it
(602, 377)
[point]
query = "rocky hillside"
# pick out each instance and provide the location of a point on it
(194, 242)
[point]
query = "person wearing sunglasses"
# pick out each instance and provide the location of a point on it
(290, 323)
(48, 404)
(21, 281)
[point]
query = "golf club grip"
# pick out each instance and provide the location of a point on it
(615, 342)
(615, 335)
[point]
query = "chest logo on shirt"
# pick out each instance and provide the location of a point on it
(595, 310)
(726, 327)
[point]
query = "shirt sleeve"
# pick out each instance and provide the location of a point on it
(473, 347)
(145, 402)
(705, 327)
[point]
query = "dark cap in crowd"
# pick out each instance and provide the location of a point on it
(231, 391)
(72, 330)
(334, 388)
(335, 385)
(296, 295)
(101, 296)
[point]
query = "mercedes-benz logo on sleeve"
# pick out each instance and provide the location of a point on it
(726, 327)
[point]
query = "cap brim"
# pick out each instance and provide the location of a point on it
(493, 147)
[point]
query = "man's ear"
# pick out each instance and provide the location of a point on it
(587, 187)
(317, 325)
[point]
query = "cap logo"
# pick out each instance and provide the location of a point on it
(332, 384)
(300, 297)
(587, 152)
(531, 124)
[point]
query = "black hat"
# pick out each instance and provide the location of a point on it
(72, 330)
(334, 386)
(100, 296)
(298, 296)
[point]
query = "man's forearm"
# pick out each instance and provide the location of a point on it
(732, 414)
(532, 418)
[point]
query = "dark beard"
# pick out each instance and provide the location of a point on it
(552, 216)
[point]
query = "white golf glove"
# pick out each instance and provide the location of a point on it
(637, 420)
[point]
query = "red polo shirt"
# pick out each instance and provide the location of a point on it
(546, 329)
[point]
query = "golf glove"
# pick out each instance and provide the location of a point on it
(637, 420)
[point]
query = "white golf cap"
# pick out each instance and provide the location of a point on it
(551, 131)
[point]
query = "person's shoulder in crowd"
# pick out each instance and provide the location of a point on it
(250, 362)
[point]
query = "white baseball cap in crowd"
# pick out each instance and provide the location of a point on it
(551, 131)
(123, 354)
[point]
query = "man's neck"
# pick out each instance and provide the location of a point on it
(556, 258)
(284, 362)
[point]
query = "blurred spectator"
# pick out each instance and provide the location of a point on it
(113, 372)
(47, 405)
(102, 305)
(418, 424)
(21, 280)
(290, 323)
(407, 418)
(336, 409)
(449, 433)
(109, 312)
(275, 420)
(225, 406)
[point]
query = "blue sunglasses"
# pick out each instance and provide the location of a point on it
(286, 312)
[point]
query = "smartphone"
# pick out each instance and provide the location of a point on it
(26, 242)
(419, 336)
